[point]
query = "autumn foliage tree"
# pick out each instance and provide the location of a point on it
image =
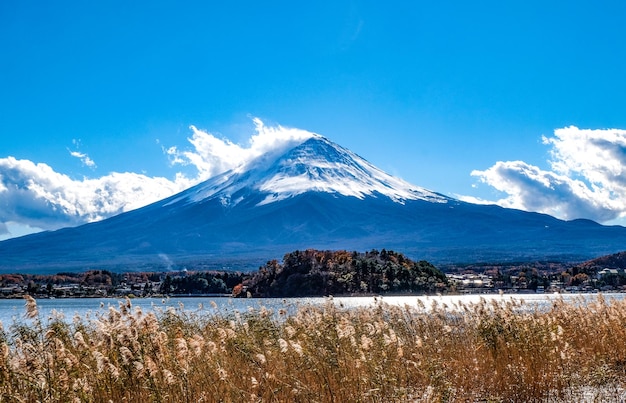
(317, 273)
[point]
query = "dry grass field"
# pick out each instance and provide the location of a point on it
(486, 352)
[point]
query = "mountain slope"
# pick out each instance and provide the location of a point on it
(313, 195)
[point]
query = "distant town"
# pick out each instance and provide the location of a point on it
(104, 283)
(606, 280)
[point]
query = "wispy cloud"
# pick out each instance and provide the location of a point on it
(83, 157)
(34, 195)
(352, 28)
(587, 177)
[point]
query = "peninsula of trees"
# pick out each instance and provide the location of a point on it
(314, 273)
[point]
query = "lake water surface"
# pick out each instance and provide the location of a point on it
(12, 310)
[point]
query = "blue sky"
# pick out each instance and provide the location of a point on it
(463, 98)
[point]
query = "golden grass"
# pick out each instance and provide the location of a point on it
(489, 352)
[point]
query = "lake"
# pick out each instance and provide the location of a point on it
(13, 311)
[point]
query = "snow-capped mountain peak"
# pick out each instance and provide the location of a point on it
(306, 193)
(314, 165)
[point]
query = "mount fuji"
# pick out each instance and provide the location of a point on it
(311, 193)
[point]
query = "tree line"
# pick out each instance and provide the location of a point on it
(301, 273)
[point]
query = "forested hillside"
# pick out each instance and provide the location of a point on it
(614, 261)
(315, 273)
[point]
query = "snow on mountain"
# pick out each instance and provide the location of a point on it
(316, 164)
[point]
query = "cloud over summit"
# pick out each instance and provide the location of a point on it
(587, 176)
(212, 155)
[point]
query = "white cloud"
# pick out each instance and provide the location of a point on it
(84, 158)
(34, 196)
(586, 180)
(212, 155)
